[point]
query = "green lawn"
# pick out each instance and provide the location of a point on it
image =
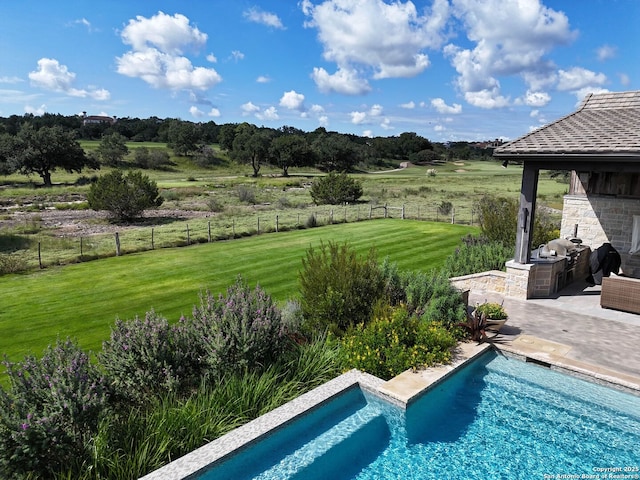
(83, 300)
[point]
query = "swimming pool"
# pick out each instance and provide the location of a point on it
(495, 418)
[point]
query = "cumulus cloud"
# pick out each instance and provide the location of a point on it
(344, 81)
(265, 18)
(157, 56)
(292, 100)
(536, 99)
(578, 78)
(196, 112)
(386, 124)
(358, 117)
(263, 79)
(372, 38)
(409, 105)
(511, 38)
(441, 107)
(237, 55)
(249, 108)
(37, 111)
(269, 113)
(52, 75)
(214, 112)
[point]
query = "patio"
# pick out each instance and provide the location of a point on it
(573, 330)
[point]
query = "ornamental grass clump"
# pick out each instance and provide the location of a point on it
(395, 341)
(50, 413)
(240, 330)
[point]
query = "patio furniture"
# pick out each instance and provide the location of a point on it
(621, 293)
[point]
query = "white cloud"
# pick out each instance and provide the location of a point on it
(441, 107)
(386, 124)
(439, 128)
(536, 99)
(237, 55)
(343, 81)
(268, 114)
(317, 109)
(265, 18)
(624, 79)
(606, 52)
(37, 111)
(376, 110)
(409, 105)
(372, 38)
(367, 133)
(292, 100)
(157, 55)
(578, 78)
(214, 112)
(358, 117)
(249, 108)
(169, 34)
(511, 38)
(212, 58)
(52, 75)
(263, 79)
(196, 112)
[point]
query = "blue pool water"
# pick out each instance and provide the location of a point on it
(496, 418)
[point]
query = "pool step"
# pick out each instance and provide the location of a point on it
(336, 449)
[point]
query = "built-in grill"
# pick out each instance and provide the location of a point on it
(552, 271)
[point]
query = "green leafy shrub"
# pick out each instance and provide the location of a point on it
(51, 412)
(493, 311)
(337, 289)
(145, 357)
(432, 296)
(335, 189)
(12, 263)
(475, 257)
(395, 341)
(242, 330)
(125, 197)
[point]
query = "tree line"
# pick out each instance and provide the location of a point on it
(41, 144)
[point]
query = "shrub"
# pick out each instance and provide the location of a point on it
(12, 263)
(432, 296)
(125, 197)
(338, 290)
(311, 222)
(335, 189)
(145, 357)
(445, 208)
(246, 194)
(242, 330)
(493, 311)
(395, 341)
(475, 257)
(50, 414)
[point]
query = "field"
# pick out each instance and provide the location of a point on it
(83, 300)
(203, 206)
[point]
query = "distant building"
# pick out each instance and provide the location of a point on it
(97, 119)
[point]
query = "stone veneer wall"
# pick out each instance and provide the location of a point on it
(603, 219)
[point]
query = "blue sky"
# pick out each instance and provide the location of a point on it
(445, 69)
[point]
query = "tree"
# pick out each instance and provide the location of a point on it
(251, 146)
(47, 149)
(335, 153)
(7, 147)
(336, 189)
(125, 197)
(290, 151)
(113, 149)
(183, 137)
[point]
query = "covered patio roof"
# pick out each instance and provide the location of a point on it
(603, 134)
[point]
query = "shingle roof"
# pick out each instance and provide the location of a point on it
(604, 124)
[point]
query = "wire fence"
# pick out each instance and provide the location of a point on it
(48, 250)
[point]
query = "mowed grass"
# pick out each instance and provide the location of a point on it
(83, 300)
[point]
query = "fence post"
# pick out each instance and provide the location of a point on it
(453, 215)
(385, 211)
(40, 256)
(330, 216)
(258, 225)
(153, 244)
(81, 248)
(209, 231)
(277, 221)
(117, 244)
(298, 222)
(188, 236)
(233, 226)
(370, 211)
(403, 211)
